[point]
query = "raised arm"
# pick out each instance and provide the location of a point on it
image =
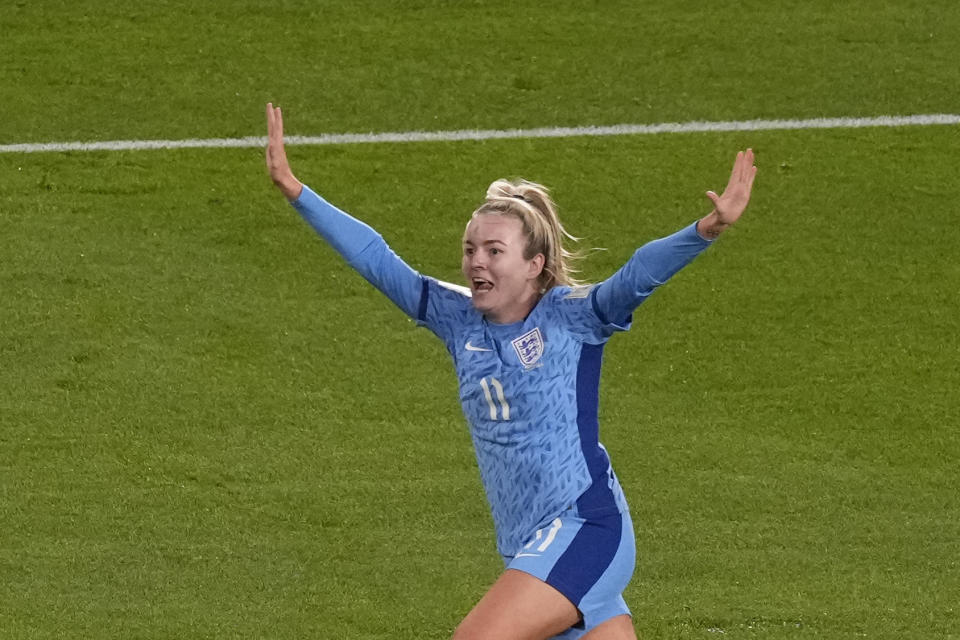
(655, 262)
(361, 246)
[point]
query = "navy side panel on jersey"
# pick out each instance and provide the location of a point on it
(529, 390)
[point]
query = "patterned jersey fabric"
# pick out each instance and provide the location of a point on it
(529, 390)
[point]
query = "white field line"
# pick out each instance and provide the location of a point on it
(493, 134)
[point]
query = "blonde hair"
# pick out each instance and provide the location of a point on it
(530, 203)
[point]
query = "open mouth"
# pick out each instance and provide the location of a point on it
(481, 285)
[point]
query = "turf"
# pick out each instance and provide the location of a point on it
(199, 438)
(177, 69)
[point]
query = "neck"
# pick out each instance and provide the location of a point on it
(517, 312)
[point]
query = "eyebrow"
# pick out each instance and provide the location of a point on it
(485, 242)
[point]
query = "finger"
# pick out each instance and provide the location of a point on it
(748, 167)
(269, 114)
(750, 178)
(271, 122)
(274, 138)
(714, 198)
(749, 170)
(746, 161)
(735, 172)
(274, 123)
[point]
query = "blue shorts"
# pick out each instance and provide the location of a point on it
(590, 561)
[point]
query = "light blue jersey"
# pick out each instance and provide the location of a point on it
(529, 390)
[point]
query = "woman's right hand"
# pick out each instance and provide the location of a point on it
(728, 206)
(277, 163)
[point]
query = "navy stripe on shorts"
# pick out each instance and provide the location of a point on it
(590, 561)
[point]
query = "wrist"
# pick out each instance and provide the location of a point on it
(710, 227)
(290, 187)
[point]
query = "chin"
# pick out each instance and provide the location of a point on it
(481, 303)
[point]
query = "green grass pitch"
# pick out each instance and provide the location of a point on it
(211, 428)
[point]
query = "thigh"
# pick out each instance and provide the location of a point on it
(590, 561)
(518, 607)
(618, 628)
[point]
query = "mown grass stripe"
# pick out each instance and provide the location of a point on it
(493, 134)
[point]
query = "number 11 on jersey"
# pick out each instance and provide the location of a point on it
(498, 389)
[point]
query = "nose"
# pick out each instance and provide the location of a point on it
(477, 261)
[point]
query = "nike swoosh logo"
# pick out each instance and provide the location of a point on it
(527, 555)
(470, 347)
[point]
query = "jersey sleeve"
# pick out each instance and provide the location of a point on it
(445, 309)
(365, 250)
(575, 308)
(650, 266)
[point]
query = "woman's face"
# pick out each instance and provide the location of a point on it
(504, 285)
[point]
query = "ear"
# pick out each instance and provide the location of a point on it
(535, 266)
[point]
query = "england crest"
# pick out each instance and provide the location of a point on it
(529, 347)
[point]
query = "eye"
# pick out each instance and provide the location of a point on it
(468, 251)
(494, 251)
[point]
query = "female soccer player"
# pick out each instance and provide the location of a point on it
(526, 341)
